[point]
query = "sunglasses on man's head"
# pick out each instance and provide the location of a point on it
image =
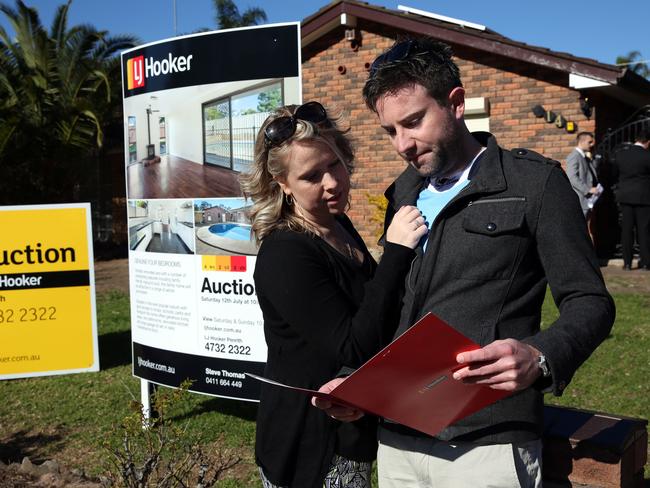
(403, 50)
(282, 128)
(399, 51)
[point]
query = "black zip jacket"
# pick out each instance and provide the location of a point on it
(491, 252)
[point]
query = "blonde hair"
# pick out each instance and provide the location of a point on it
(270, 210)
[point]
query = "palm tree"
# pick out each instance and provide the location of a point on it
(634, 62)
(58, 91)
(228, 15)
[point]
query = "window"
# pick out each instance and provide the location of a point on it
(230, 125)
(216, 133)
(133, 150)
(163, 135)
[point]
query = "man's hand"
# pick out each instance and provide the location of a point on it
(503, 365)
(338, 412)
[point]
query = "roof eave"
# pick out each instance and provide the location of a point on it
(328, 18)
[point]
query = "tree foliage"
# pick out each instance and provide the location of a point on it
(267, 101)
(228, 15)
(59, 91)
(633, 62)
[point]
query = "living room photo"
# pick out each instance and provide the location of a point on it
(193, 142)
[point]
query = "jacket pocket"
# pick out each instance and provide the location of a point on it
(491, 234)
(495, 217)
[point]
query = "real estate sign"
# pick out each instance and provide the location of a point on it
(47, 291)
(193, 106)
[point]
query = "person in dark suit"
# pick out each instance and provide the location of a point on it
(632, 170)
(581, 172)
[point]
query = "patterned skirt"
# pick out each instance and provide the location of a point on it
(343, 473)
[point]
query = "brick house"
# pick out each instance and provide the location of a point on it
(213, 215)
(504, 80)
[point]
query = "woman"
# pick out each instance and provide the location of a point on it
(326, 303)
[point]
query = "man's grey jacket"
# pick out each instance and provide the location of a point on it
(582, 176)
(489, 256)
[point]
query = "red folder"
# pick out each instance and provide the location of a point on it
(410, 380)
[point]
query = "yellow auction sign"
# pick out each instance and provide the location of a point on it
(47, 291)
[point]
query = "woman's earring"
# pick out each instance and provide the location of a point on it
(288, 198)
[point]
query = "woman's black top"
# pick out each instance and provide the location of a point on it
(322, 312)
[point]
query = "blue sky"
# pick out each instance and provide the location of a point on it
(595, 29)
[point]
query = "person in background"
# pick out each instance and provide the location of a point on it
(632, 173)
(326, 304)
(582, 173)
(502, 225)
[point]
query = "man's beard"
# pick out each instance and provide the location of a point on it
(442, 155)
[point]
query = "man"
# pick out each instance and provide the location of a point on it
(581, 172)
(502, 224)
(632, 169)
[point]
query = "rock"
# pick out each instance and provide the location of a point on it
(26, 466)
(49, 474)
(50, 480)
(50, 466)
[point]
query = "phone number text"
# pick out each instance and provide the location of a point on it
(30, 314)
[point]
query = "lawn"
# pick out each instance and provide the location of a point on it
(615, 378)
(67, 417)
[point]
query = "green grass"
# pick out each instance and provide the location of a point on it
(615, 378)
(67, 417)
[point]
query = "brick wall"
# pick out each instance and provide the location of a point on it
(376, 162)
(513, 88)
(334, 73)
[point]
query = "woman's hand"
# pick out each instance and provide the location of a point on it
(407, 228)
(334, 410)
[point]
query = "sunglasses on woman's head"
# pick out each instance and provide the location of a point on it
(282, 128)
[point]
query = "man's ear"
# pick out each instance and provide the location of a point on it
(457, 101)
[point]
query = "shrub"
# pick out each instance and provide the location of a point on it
(380, 204)
(158, 452)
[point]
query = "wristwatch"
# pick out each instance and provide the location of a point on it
(543, 365)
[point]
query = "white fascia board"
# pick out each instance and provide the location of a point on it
(579, 82)
(431, 15)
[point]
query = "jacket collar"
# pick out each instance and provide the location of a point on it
(486, 176)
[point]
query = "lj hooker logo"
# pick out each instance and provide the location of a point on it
(135, 72)
(140, 68)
